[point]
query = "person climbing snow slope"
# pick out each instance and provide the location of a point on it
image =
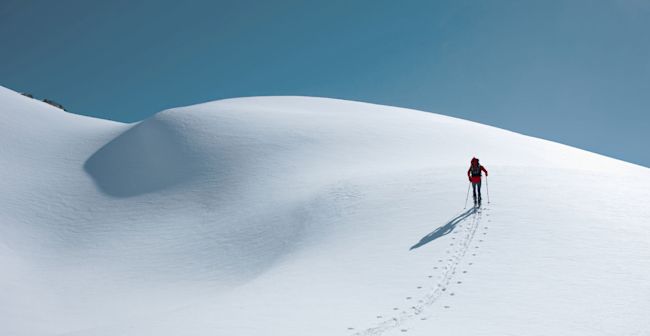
(474, 174)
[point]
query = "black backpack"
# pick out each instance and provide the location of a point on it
(476, 170)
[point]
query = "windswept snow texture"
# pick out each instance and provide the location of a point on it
(309, 216)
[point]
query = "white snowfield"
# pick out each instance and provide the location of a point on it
(297, 216)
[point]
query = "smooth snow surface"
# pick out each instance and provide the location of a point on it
(296, 216)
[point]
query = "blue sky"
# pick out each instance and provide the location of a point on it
(574, 71)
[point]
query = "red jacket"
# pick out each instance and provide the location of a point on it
(475, 179)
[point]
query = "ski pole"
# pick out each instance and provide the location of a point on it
(487, 185)
(466, 197)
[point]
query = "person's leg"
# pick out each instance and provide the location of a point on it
(474, 191)
(478, 185)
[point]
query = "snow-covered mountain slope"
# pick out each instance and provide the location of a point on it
(296, 216)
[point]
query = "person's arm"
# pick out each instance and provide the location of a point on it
(468, 175)
(483, 169)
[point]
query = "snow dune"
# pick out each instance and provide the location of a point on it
(311, 216)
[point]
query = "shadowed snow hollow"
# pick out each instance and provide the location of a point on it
(295, 216)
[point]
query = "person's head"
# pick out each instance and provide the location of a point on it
(474, 161)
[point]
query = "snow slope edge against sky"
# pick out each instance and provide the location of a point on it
(264, 99)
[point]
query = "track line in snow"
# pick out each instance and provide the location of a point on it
(460, 248)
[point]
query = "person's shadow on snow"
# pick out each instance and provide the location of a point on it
(443, 230)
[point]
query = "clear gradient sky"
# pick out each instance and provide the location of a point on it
(574, 71)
